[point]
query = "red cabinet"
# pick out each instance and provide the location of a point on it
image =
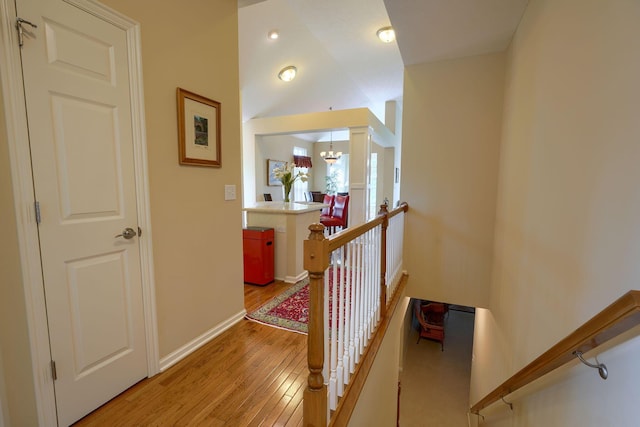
(257, 245)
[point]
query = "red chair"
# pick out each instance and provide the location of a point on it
(326, 212)
(431, 319)
(339, 215)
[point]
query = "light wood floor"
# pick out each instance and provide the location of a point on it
(250, 375)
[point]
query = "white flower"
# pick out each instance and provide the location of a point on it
(287, 174)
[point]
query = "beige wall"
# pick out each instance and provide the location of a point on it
(397, 155)
(378, 401)
(17, 405)
(451, 138)
(568, 228)
(197, 234)
(277, 147)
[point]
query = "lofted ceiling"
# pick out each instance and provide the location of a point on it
(341, 63)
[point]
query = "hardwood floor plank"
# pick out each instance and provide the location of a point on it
(268, 399)
(296, 417)
(212, 381)
(242, 375)
(292, 384)
(272, 402)
(296, 399)
(257, 401)
(251, 379)
(251, 374)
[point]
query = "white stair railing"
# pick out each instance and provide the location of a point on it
(352, 282)
(352, 275)
(395, 232)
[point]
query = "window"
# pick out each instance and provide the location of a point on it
(338, 175)
(299, 187)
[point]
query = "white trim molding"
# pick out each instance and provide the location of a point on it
(179, 354)
(27, 231)
(296, 279)
(20, 158)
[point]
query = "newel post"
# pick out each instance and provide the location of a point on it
(316, 261)
(383, 260)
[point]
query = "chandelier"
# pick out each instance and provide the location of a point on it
(330, 156)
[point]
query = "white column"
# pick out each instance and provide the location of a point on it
(359, 152)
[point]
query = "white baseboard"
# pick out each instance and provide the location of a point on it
(176, 356)
(296, 279)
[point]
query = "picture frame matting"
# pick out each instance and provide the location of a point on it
(199, 141)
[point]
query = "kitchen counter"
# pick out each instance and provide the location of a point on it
(291, 208)
(291, 223)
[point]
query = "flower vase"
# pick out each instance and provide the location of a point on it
(287, 192)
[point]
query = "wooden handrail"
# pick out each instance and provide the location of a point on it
(404, 207)
(617, 318)
(341, 238)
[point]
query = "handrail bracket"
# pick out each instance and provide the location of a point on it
(509, 404)
(601, 367)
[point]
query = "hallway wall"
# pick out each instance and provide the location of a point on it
(567, 229)
(278, 147)
(450, 156)
(197, 234)
(195, 274)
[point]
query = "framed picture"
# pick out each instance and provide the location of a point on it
(271, 165)
(198, 130)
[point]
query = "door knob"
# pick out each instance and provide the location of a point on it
(127, 233)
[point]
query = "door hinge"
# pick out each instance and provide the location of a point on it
(139, 231)
(54, 372)
(37, 208)
(21, 31)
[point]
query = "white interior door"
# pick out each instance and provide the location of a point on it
(78, 106)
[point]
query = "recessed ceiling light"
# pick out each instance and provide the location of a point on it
(273, 34)
(288, 73)
(386, 34)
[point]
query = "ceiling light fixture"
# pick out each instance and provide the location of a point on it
(386, 34)
(330, 157)
(288, 73)
(273, 34)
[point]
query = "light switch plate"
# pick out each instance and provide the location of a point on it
(229, 192)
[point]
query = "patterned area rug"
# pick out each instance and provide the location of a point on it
(289, 310)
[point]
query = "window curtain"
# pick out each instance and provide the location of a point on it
(302, 161)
